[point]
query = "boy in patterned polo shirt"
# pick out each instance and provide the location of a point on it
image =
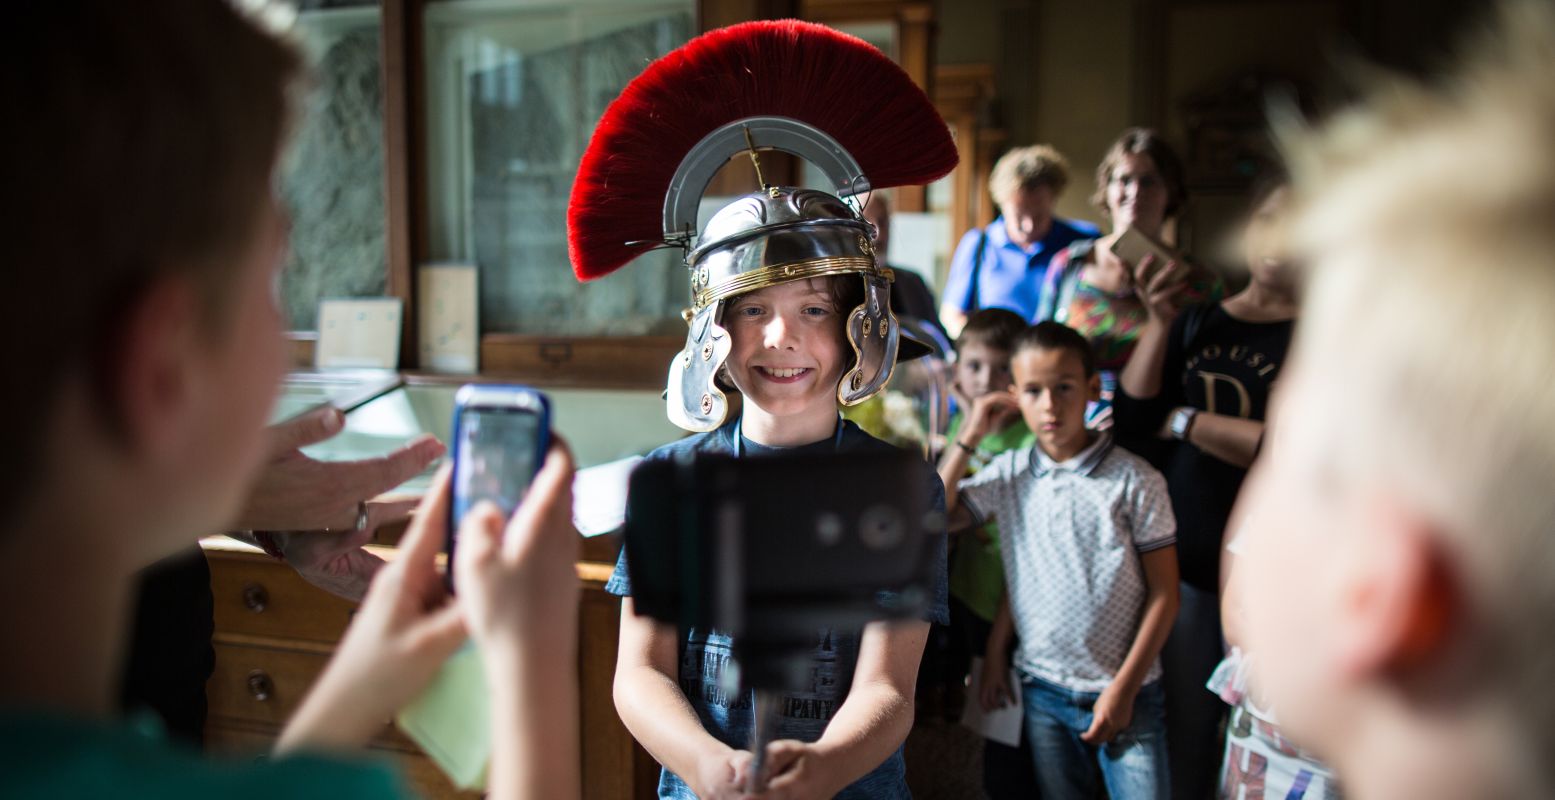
(1087, 536)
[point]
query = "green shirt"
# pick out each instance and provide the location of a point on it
(976, 570)
(45, 755)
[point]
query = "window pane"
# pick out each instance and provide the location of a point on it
(513, 94)
(332, 179)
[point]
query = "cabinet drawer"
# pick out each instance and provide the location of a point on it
(261, 684)
(264, 684)
(258, 596)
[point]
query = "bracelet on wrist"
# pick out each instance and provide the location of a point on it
(970, 450)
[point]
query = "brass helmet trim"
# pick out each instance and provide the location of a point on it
(747, 282)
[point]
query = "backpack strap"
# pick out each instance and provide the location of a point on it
(977, 270)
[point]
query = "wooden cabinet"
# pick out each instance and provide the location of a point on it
(275, 632)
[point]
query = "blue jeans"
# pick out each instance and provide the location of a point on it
(1132, 766)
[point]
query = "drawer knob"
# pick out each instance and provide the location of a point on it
(255, 598)
(260, 686)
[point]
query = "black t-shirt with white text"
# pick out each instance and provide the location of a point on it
(1229, 368)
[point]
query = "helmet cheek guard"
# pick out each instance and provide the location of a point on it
(693, 399)
(874, 335)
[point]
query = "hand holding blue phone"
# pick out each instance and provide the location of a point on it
(500, 437)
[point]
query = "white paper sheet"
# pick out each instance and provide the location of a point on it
(1001, 724)
(599, 496)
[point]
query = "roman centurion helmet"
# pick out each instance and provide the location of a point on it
(803, 89)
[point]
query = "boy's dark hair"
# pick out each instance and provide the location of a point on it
(1055, 336)
(992, 327)
(142, 144)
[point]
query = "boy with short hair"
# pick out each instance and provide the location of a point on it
(982, 377)
(139, 192)
(843, 735)
(1087, 538)
(1395, 570)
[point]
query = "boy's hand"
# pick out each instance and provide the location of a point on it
(517, 581)
(989, 413)
(723, 777)
(996, 691)
(1112, 713)
(1160, 287)
(796, 770)
(401, 635)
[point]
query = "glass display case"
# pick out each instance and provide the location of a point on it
(599, 425)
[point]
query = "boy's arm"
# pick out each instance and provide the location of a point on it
(952, 468)
(996, 691)
(953, 464)
(1115, 707)
(650, 703)
(871, 724)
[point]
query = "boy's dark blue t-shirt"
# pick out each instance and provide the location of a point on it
(704, 654)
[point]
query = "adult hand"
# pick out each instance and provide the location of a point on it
(334, 561)
(1161, 287)
(1112, 713)
(297, 493)
(406, 628)
(996, 690)
(517, 579)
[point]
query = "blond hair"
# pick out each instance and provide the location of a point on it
(1027, 168)
(1429, 219)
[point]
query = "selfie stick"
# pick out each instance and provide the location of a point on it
(767, 705)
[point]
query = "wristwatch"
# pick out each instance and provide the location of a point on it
(1182, 420)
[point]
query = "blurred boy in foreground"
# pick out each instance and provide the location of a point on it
(1396, 580)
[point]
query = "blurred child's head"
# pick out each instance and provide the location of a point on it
(983, 351)
(1265, 243)
(140, 218)
(1054, 370)
(789, 345)
(1400, 540)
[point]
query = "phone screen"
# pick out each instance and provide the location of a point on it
(496, 457)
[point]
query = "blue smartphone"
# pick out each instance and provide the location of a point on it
(500, 437)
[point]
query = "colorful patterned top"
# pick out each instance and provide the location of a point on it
(1111, 321)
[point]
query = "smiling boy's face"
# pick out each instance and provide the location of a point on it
(1052, 390)
(787, 348)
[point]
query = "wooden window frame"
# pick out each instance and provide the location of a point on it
(609, 362)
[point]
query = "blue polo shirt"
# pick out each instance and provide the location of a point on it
(1009, 276)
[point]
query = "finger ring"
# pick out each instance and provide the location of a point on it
(361, 514)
